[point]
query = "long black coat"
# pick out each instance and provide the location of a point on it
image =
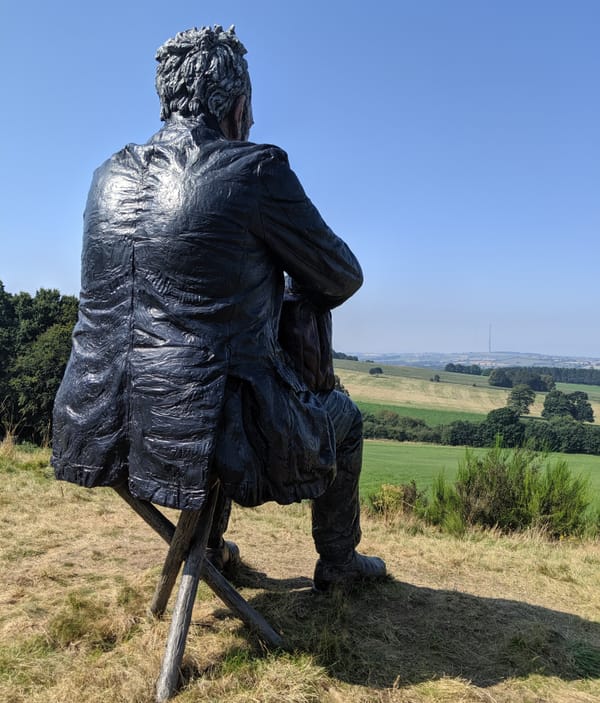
(176, 373)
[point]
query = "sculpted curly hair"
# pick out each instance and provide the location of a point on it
(201, 71)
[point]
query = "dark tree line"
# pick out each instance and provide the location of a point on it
(35, 343)
(586, 377)
(341, 355)
(387, 424)
(521, 376)
(473, 369)
(560, 432)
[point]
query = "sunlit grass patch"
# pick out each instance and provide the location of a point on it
(88, 622)
(483, 617)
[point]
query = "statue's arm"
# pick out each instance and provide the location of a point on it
(305, 334)
(321, 264)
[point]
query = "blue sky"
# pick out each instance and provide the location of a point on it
(455, 145)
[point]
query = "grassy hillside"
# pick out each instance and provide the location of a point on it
(410, 387)
(412, 372)
(397, 388)
(484, 618)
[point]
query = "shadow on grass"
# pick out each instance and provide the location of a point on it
(244, 576)
(393, 633)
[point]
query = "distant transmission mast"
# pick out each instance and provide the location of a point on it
(490, 340)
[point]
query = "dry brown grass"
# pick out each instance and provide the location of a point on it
(486, 618)
(421, 393)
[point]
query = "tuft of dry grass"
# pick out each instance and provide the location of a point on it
(483, 618)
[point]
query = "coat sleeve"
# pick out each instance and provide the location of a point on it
(322, 266)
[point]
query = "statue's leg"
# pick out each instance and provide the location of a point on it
(336, 514)
(220, 521)
(222, 554)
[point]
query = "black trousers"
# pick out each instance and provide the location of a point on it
(336, 513)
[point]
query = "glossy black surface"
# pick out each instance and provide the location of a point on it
(176, 370)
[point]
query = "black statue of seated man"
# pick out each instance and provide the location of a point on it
(177, 374)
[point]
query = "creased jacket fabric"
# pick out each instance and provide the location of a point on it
(176, 373)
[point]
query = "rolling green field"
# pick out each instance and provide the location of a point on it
(593, 392)
(431, 416)
(401, 462)
(408, 391)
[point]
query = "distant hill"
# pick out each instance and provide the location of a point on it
(437, 360)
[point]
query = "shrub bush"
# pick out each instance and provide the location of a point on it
(496, 489)
(444, 508)
(392, 500)
(561, 501)
(510, 490)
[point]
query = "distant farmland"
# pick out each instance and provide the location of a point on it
(410, 391)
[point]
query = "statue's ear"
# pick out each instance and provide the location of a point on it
(232, 125)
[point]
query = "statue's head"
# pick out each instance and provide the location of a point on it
(203, 71)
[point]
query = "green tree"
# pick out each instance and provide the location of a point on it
(548, 382)
(500, 378)
(556, 404)
(502, 423)
(569, 433)
(521, 398)
(581, 408)
(38, 372)
(575, 405)
(8, 325)
(36, 315)
(35, 342)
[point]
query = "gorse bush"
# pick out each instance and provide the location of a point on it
(512, 491)
(509, 490)
(562, 501)
(392, 500)
(497, 489)
(443, 510)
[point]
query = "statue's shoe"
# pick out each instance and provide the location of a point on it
(359, 568)
(225, 557)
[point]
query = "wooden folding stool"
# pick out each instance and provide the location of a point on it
(187, 543)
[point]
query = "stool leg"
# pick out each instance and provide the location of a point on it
(148, 512)
(245, 612)
(182, 613)
(184, 534)
(213, 578)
